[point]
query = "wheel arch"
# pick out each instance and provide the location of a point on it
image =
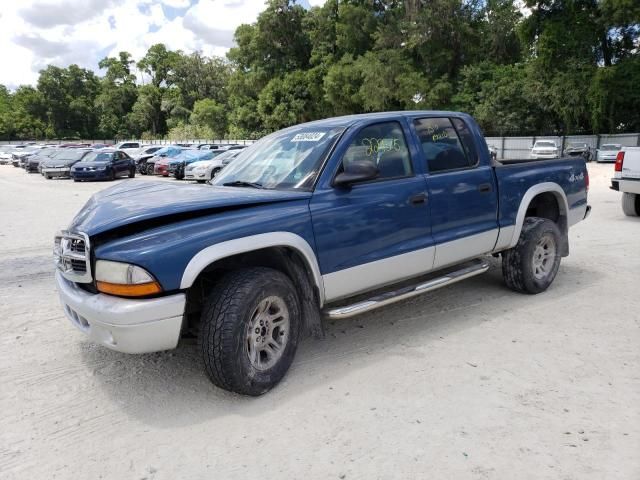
(545, 200)
(219, 251)
(283, 251)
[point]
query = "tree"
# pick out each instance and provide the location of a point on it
(209, 113)
(159, 63)
(118, 94)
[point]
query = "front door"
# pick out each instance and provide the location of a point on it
(377, 232)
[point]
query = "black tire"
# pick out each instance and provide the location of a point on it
(518, 263)
(149, 168)
(631, 204)
(112, 175)
(132, 172)
(48, 177)
(214, 172)
(226, 319)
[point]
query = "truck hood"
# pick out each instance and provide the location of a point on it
(130, 203)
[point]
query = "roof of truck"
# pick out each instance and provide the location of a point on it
(348, 120)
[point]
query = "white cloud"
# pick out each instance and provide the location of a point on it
(36, 33)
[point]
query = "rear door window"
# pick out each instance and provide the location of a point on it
(441, 145)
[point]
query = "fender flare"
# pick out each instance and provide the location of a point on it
(546, 187)
(219, 251)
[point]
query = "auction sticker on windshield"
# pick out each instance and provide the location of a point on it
(308, 137)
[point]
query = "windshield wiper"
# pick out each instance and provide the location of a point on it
(240, 183)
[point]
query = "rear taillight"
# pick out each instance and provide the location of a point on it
(619, 161)
(586, 181)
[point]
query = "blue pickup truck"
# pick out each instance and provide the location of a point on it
(331, 218)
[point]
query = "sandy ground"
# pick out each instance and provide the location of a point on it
(469, 382)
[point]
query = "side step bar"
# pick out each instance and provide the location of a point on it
(477, 267)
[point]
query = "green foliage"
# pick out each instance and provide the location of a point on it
(566, 66)
(210, 114)
(191, 132)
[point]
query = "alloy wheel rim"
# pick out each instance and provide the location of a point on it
(267, 333)
(544, 255)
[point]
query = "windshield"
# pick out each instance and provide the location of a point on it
(288, 159)
(610, 147)
(70, 154)
(545, 144)
(47, 152)
(98, 157)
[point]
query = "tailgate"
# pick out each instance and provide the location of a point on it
(631, 163)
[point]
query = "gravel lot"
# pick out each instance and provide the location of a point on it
(469, 382)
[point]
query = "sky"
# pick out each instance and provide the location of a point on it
(35, 33)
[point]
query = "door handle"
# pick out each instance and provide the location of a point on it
(418, 198)
(484, 187)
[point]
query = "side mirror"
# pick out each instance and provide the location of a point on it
(354, 172)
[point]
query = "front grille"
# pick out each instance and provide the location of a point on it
(72, 257)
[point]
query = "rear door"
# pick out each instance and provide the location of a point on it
(462, 191)
(376, 232)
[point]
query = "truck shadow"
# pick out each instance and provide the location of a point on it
(169, 389)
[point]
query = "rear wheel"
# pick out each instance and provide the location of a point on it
(631, 204)
(249, 330)
(532, 265)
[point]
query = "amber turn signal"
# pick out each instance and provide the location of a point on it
(135, 290)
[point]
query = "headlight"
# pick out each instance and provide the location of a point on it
(124, 279)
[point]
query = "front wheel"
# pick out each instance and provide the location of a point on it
(249, 330)
(631, 204)
(132, 172)
(150, 169)
(214, 172)
(532, 265)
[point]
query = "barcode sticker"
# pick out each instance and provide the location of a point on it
(308, 137)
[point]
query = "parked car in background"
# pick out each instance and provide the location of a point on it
(230, 158)
(331, 219)
(203, 169)
(60, 164)
(579, 149)
(143, 154)
(178, 164)
(626, 179)
(98, 146)
(608, 152)
(208, 146)
(104, 164)
(127, 145)
(6, 154)
(32, 162)
(169, 151)
(545, 149)
(161, 166)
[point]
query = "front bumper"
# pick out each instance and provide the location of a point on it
(57, 172)
(195, 175)
(122, 324)
(625, 186)
(540, 156)
(90, 174)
